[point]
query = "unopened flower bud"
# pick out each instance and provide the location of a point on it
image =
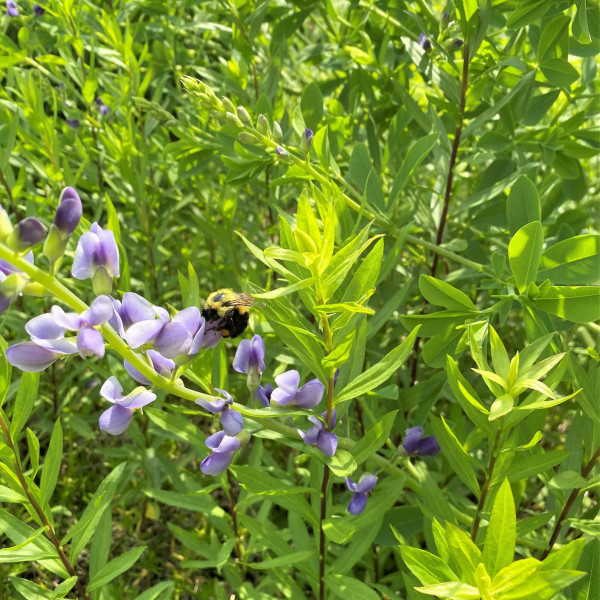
(277, 133)
(283, 155)
(424, 42)
(217, 114)
(248, 138)
(228, 105)
(262, 124)
(234, 119)
(28, 232)
(5, 224)
(34, 288)
(243, 115)
(69, 211)
(307, 139)
(10, 287)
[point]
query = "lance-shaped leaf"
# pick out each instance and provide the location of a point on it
(524, 254)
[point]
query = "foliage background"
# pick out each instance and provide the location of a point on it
(177, 189)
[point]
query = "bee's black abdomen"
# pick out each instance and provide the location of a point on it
(235, 323)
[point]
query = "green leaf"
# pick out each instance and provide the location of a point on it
(501, 406)
(465, 555)
(163, 589)
(523, 204)
(574, 261)
(500, 358)
(30, 590)
(33, 445)
(114, 568)
(543, 585)
(348, 588)
(466, 396)
(567, 480)
(514, 575)
(64, 588)
(451, 589)
(426, 567)
(26, 397)
(501, 536)
(321, 146)
(533, 465)
(443, 294)
(284, 291)
(282, 561)
(414, 157)
(374, 438)
(378, 373)
(342, 463)
(566, 557)
(311, 105)
(527, 12)
(52, 462)
(462, 463)
(552, 34)
(559, 72)
(524, 254)
(84, 529)
(577, 304)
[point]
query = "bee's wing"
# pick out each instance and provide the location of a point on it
(240, 300)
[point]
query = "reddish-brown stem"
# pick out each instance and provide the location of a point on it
(570, 500)
(38, 510)
(448, 192)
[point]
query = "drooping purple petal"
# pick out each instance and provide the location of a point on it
(428, 446)
(213, 441)
(173, 339)
(143, 332)
(250, 354)
(28, 232)
(71, 321)
(99, 312)
(288, 381)
(353, 487)
(138, 398)
(226, 443)
(310, 394)
(135, 308)
(12, 10)
(357, 504)
(215, 406)
(367, 483)
(58, 346)
(45, 327)
(310, 436)
(89, 342)
(38, 10)
(115, 420)
(190, 318)
(232, 421)
(264, 394)
(84, 265)
(413, 437)
(110, 252)
(327, 443)
(30, 357)
(216, 462)
(112, 390)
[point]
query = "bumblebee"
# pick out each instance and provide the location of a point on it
(229, 310)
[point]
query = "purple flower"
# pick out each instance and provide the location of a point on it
(457, 42)
(281, 152)
(325, 441)
(231, 419)
(97, 258)
(250, 359)
(307, 139)
(11, 282)
(179, 338)
(223, 448)
(424, 42)
(264, 394)
(89, 339)
(12, 9)
(287, 392)
(38, 10)
(28, 232)
(69, 211)
(103, 108)
(116, 419)
(414, 443)
(359, 499)
(163, 366)
(74, 123)
(46, 346)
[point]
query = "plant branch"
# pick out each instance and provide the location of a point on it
(565, 511)
(486, 484)
(10, 196)
(38, 509)
(461, 115)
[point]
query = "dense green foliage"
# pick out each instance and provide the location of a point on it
(436, 241)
